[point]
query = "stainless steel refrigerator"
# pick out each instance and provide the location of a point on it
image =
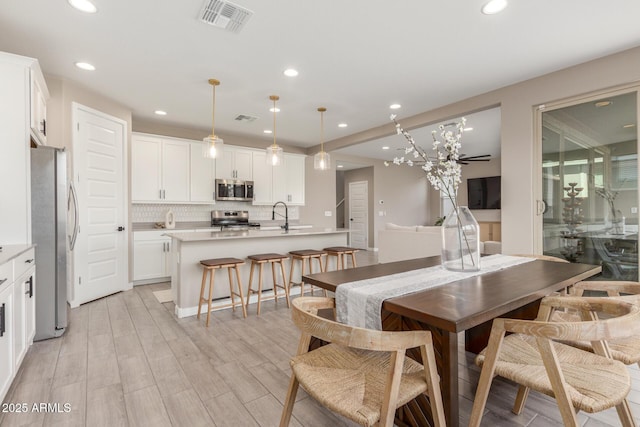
(49, 234)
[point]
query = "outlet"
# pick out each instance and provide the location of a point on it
(634, 210)
(328, 213)
(382, 213)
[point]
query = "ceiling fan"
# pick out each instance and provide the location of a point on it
(463, 159)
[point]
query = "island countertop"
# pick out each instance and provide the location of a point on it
(189, 248)
(199, 236)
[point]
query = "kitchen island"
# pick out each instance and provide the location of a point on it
(188, 248)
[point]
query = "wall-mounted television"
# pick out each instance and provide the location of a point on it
(484, 193)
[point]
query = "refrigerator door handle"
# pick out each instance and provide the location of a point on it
(76, 216)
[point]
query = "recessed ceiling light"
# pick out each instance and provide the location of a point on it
(85, 66)
(342, 125)
(83, 6)
(630, 125)
(267, 131)
(600, 104)
(467, 129)
(290, 72)
(160, 112)
(494, 6)
(340, 166)
(395, 106)
(385, 148)
(277, 110)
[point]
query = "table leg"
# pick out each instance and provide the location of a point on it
(449, 376)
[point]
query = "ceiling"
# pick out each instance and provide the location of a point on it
(355, 58)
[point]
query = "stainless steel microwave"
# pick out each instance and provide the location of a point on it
(233, 189)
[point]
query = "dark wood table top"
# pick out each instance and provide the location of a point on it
(462, 304)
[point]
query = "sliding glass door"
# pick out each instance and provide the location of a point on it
(589, 192)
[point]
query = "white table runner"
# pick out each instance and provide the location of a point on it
(360, 303)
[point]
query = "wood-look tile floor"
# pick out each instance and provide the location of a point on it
(127, 360)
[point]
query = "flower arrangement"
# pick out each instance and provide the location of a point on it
(616, 218)
(442, 168)
(460, 231)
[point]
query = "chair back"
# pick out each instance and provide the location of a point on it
(305, 316)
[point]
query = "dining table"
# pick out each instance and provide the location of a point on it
(468, 305)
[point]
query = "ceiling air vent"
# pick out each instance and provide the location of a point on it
(246, 119)
(225, 15)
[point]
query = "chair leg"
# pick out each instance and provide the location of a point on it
(250, 289)
(275, 285)
(204, 280)
(521, 399)
(285, 284)
(233, 301)
(211, 278)
(260, 287)
(433, 384)
(301, 279)
(289, 401)
(239, 283)
(624, 413)
(486, 376)
(293, 261)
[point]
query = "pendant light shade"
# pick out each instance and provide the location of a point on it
(322, 160)
(212, 144)
(274, 152)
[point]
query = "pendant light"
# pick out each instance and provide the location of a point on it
(212, 144)
(274, 152)
(322, 160)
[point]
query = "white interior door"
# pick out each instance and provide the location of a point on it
(100, 255)
(358, 214)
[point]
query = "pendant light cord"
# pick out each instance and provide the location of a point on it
(213, 114)
(274, 120)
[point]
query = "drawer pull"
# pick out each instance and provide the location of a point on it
(3, 280)
(2, 320)
(29, 261)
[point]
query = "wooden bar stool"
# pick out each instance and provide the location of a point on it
(211, 265)
(272, 259)
(341, 252)
(302, 256)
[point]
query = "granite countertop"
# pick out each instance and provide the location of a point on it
(9, 252)
(250, 234)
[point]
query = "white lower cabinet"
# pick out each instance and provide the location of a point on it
(24, 314)
(7, 368)
(151, 255)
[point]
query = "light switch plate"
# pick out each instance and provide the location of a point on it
(634, 210)
(328, 213)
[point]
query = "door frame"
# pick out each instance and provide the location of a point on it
(367, 211)
(75, 110)
(538, 225)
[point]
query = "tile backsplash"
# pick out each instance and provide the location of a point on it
(193, 213)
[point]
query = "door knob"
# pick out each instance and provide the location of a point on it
(121, 228)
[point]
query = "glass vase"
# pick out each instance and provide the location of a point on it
(461, 241)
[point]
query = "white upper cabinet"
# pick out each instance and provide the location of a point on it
(39, 97)
(175, 171)
(203, 175)
(286, 181)
(262, 179)
(146, 168)
(235, 163)
(160, 169)
(16, 74)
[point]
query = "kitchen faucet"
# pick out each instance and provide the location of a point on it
(286, 215)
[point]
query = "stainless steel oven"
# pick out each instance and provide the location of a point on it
(231, 189)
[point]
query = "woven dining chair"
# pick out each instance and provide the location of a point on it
(578, 380)
(361, 374)
(626, 350)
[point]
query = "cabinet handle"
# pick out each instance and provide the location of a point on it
(44, 127)
(30, 290)
(160, 195)
(164, 194)
(29, 261)
(3, 280)
(2, 320)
